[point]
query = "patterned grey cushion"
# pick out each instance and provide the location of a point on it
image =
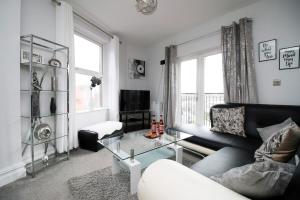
(229, 120)
(281, 146)
(266, 132)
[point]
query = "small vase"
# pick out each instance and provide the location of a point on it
(52, 106)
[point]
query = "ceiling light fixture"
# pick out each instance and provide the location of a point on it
(146, 7)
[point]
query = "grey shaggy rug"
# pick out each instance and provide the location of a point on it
(102, 185)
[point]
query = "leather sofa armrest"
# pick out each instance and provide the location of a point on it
(169, 180)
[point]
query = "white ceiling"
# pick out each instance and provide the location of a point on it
(171, 16)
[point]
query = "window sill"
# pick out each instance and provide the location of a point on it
(90, 111)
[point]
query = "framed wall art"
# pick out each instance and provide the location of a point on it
(137, 69)
(267, 50)
(25, 57)
(289, 58)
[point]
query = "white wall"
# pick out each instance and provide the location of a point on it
(272, 19)
(87, 118)
(38, 17)
(128, 51)
(11, 164)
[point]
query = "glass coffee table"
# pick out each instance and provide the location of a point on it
(127, 150)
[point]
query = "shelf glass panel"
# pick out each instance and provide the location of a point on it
(46, 115)
(38, 142)
(44, 91)
(41, 65)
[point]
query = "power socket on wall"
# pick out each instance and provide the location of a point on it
(276, 82)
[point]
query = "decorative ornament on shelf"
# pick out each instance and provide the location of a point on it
(54, 62)
(94, 82)
(35, 97)
(52, 106)
(146, 7)
(42, 131)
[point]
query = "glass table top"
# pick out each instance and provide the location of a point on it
(135, 143)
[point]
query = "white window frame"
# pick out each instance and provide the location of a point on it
(199, 56)
(87, 72)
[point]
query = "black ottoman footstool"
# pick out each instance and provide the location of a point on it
(88, 139)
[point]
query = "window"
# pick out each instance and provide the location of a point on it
(201, 86)
(188, 90)
(88, 63)
(213, 83)
(213, 74)
(188, 76)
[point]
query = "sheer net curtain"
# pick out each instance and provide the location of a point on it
(238, 63)
(111, 78)
(65, 36)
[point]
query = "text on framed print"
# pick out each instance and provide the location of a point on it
(267, 50)
(289, 58)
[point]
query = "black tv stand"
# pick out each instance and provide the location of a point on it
(135, 120)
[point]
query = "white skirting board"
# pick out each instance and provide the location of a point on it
(12, 174)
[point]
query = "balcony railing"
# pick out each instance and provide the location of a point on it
(211, 99)
(189, 106)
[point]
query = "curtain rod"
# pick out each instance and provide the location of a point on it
(209, 34)
(94, 25)
(200, 37)
(87, 21)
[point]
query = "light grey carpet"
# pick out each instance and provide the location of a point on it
(51, 184)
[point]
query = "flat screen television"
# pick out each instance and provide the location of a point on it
(134, 100)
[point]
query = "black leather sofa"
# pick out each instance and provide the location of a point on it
(234, 151)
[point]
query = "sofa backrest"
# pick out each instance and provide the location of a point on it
(262, 115)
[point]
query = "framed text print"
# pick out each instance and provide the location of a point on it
(267, 50)
(289, 58)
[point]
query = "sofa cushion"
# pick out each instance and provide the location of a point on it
(281, 146)
(223, 160)
(268, 131)
(213, 140)
(229, 120)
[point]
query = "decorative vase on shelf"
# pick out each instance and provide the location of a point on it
(52, 106)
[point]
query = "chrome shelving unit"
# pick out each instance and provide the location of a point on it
(34, 42)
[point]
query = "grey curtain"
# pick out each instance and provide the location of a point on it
(238, 63)
(170, 86)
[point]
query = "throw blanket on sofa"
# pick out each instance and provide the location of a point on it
(105, 128)
(259, 179)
